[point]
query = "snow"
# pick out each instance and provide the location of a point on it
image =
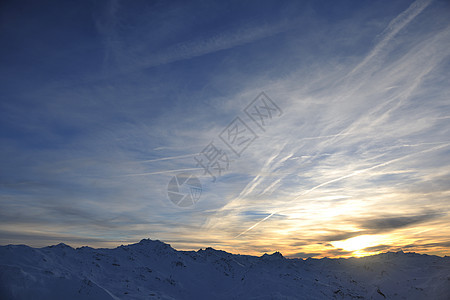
(154, 270)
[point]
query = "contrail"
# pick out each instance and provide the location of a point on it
(341, 178)
(324, 136)
(162, 172)
(393, 28)
(169, 158)
(273, 184)
(257, 180)
(267, 168)
(173, 148)
(256, 224)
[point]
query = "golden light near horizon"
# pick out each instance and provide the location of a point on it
(358, 243)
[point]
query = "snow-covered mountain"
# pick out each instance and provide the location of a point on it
(154, 270)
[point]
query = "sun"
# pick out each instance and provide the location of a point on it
(359, 242)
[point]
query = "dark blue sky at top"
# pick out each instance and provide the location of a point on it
(50, 42)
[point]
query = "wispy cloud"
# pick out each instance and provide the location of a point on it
(397, 24)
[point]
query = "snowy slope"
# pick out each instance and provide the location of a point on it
(154, 270)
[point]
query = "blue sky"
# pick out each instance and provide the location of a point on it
(102, 103)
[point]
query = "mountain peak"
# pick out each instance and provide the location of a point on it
(60, 246)
(151, 242)
(274, 256)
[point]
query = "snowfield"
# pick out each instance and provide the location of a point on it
(154, 270)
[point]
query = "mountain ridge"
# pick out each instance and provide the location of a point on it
(152, 269)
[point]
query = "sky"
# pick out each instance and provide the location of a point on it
(313, 128)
